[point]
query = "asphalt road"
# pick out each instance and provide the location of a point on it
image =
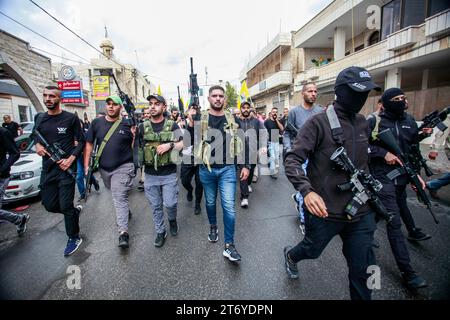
(190, 267)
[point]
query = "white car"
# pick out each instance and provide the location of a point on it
(25, 177)
(27, 127)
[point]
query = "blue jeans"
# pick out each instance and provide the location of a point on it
(274, 151)
(80, 176)
(436, 184)
(299, 198)
(224, 180)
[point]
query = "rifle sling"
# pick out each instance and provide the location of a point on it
(336, 129)
(105, 141)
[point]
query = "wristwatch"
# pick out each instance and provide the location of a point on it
(172, 145)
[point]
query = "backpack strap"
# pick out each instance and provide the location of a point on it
(377, 125)
(105, 141)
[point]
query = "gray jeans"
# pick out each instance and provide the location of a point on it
(6, 215)
(120, 181)
(162, 191)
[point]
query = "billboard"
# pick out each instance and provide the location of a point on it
(101, 87)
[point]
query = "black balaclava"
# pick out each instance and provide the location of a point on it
(351, 100)
(395, 108)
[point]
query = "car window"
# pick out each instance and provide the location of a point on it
(28, 126)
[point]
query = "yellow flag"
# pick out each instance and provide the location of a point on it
(159, 90)
(243, 94)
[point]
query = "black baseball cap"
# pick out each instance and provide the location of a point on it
(157, 97)
(357, 78)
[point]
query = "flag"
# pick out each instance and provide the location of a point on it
(244, 95)
(159, 90)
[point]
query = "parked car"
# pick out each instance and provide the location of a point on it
(25, 176)
(23, 141)
(27, 127)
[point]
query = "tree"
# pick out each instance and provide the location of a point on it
(231, 95)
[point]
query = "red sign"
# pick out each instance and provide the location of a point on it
(72, 100)
(69, 85)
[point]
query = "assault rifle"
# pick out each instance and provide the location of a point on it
(193, 86)
(388, 140)
(55, 151)
(435, 119)
(364, 187)
(89, 176)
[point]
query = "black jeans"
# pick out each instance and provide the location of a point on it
(186, 174)
(404, 210)
(357, 238)
(389, 198)
(246, 183)
(57, 196)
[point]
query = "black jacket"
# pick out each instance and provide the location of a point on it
(405, 131)
(253, 140)
(7, 147)
(315, 143)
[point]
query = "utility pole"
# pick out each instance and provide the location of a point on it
(134, 73)
(206, 74)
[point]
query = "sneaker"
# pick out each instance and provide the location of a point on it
(79, 208)
(291, 267)
(255, 179)
(231, 253)
(250, 190)
(81, 198)
(294, 198)
(213, 236)
(418, 235)
(173, 227)
(414, 281)
(274, 176)
(140, 188)
(189, 196)
(22, 226)
(244, 203)
(198, 209)
(72, 245)
(130, 215)
(160, 239)
(124, 240)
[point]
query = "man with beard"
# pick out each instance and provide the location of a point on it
(393, 194)
(296, 119)
(57, 186)
(252, 128)
(115, 137)
(218, 149)
(161, 143)
(325, 204)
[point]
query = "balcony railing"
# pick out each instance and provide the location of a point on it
(438, 24)
(281, 78)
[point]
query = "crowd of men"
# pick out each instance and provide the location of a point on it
(218, 148)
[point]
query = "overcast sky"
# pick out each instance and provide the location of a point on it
(159, 36)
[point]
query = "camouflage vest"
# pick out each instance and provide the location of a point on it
(152, 140)
(202, 150)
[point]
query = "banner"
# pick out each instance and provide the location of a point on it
(101, 87)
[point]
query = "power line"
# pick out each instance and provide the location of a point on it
(52, 54)
(40, 35)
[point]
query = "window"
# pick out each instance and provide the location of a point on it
(390, 18)
(359, 47)
(435, 6)
(374, 38)
(23, 113)
(413, 13)
(143, 92)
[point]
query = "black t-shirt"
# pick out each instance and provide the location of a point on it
(63, 129)
(218, 123)
(12, 127)
(272, 125)
(118, 150)
(157, 128)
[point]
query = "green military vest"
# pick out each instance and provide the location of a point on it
(152, 140)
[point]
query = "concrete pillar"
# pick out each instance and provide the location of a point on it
(339, 43)
(393, 78)
(425, 76)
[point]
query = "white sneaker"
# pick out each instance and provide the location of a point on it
(80, 209)
(244, 203)
(250, 190)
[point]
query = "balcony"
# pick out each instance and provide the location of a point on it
(279, 79)
(404, 38)
(438, 24)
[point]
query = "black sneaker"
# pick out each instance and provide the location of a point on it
(418, 235)
(95, 184)
(291, 266)
(124, 240)
(414, 281)
(141, 188)
(231, 253)
(189, 196)
(22, 226)
(160, 239)
(130, 215)
(213, 236)
(198, 209)
(173, 227)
